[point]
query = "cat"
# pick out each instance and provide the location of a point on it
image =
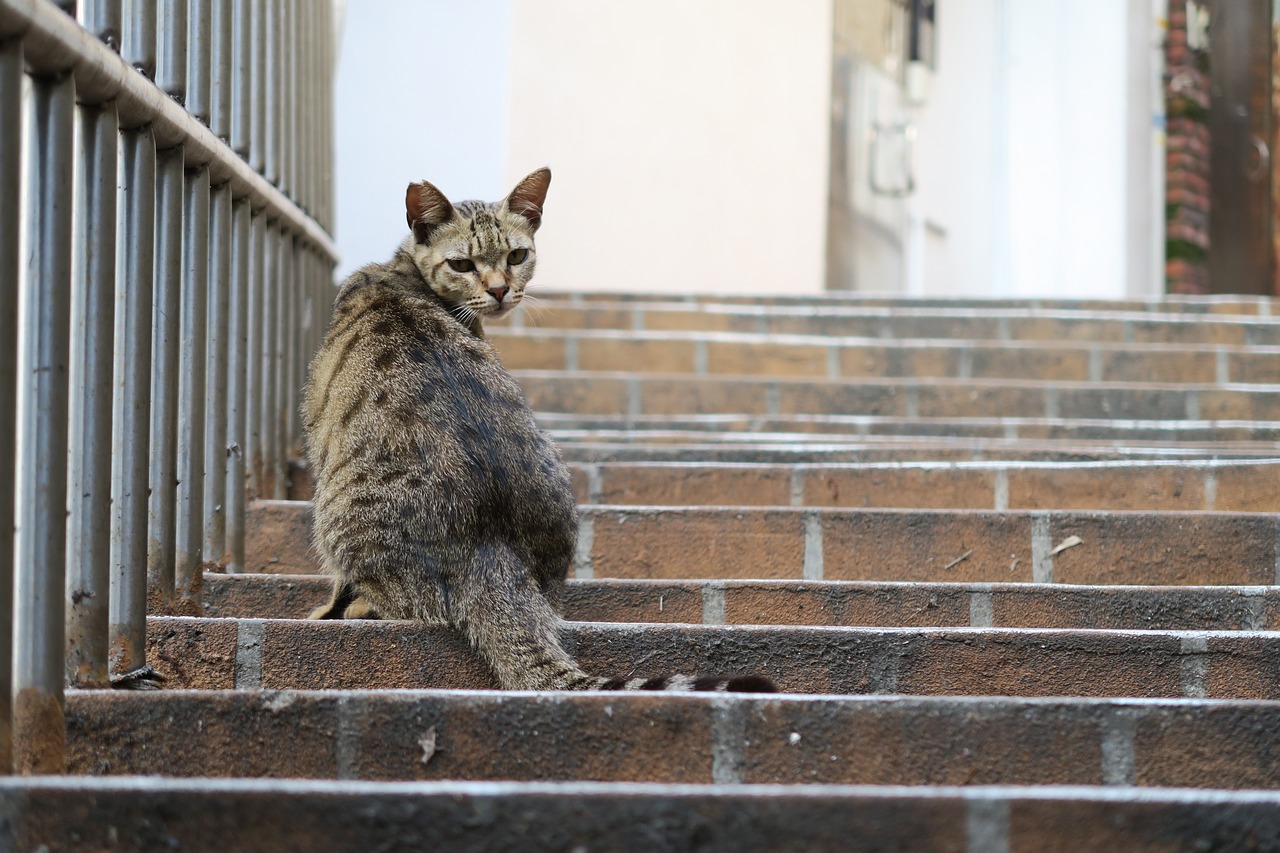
(437, 496)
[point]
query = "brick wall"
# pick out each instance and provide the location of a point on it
(1186, 92)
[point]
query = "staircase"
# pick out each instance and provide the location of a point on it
(1013, 563)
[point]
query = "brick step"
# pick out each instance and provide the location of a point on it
(1251, 485)
(1234, 486)
(711, 353)
(1174, 433)
(586, 447)
(590, 445)
(674, 394)
(836, 603)
(674, 738)
(1158, 548)
(139, 813)
(1170, 303)
(283, 654)
(969, 323)
(783, 450)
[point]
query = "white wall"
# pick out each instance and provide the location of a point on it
(1027, 148)
(1067, 145)
(962, 154)
(421, 93)
(688, 141)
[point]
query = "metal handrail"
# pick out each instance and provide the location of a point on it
(55, 44)
(144, 431)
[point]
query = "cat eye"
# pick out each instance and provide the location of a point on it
(461, 265)
(517, 256)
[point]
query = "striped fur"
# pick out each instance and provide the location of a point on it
(437, 496)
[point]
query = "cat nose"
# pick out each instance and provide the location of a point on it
(498, 291)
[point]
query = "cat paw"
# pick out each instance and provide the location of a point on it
(360, 609)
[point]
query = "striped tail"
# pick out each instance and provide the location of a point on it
(736, 684)
(546, 666)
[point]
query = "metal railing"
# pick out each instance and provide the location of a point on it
(165, 273)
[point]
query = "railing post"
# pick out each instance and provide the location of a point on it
(241, 76)
(102, 18)
(254, 384)
(237, 392)
(39, 617)
(271, 326)
(171, 50)
(273, 92)
(326, 132)
(10, 212)
(280, 356)
(216, 375)
(189, 530)
(199, 58)
(258, 85)
(220, 72)
(93, 321)
(297, 330)
(131, 441)
(139, 39)
(307, 106)
(288, 99)
(161, 507)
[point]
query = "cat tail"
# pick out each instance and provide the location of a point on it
(509, 621)
(722, 684)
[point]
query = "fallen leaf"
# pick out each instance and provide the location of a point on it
(428, 744)
(1069, 542)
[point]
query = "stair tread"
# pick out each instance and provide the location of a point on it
(1190, 302)
(836, 603)
(315, 814)
(672, 737)
(1157, 547)
(282, 653)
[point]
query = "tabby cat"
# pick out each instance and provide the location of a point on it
(437, 497)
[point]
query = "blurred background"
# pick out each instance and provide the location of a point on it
(1098, 148)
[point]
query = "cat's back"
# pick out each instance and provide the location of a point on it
(404, 404)
(398, 376)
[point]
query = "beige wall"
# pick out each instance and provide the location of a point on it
(688, 141)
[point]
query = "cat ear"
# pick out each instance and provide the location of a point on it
(425, 208)
(527, 198)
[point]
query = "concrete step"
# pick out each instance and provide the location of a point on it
(799, 448)
(587, 447)
(836, 603)
(1213, 435)
(293, 654)
(1234, 486)
(720, 353)
(1195, 484)
(140, 813)
(1171, 303)
(1161, 548)
(897, 322)
(674, 738)
(674, 394)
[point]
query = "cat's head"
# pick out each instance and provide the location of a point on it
(477, 256)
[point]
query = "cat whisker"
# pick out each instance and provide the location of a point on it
(463, 312)
(535, 310)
